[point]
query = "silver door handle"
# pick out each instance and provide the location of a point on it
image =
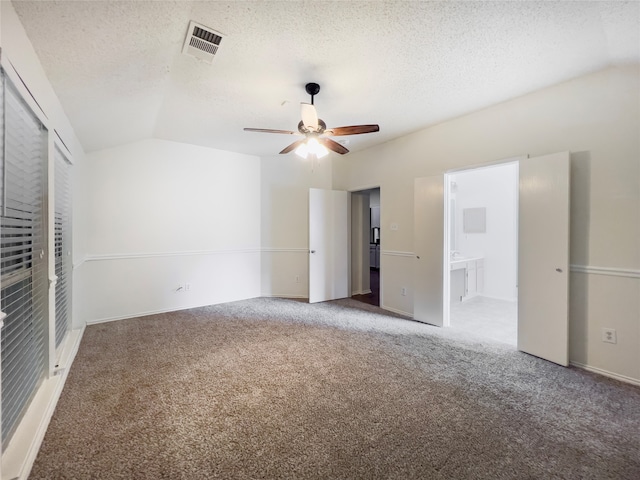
(559, 270)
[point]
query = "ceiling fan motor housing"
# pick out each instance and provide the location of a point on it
(321, 127)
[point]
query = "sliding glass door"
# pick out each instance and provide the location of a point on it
(23, 267)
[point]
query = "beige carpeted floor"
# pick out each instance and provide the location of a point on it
(274, 388)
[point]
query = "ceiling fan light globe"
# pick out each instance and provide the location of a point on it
(302, 151)
(316, 148)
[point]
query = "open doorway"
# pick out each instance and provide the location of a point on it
(482, 240)
(542, 252)
(365, 246)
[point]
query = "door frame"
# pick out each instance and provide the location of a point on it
(446, 277)
(351, 220)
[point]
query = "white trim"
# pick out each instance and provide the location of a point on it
(58, 142)
(283, 295)
(493, 163)
(606, 373)
(155, 312)
(395, 253)
(361, 292)
(284, 250)
(128, 256)
(18, 458)
(608, 271)
(78, 264)
(24, 91)
(502, 299)
(362, 189)
(395, 310)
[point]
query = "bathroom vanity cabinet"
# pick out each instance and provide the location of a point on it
(466, 278)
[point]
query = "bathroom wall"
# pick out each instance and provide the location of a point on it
(494, 188)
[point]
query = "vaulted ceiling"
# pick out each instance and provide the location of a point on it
(118, 69)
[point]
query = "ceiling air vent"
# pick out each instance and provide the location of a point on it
(201, 42)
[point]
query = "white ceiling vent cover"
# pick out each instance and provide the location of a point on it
(201, 42)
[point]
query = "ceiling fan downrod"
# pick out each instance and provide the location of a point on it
(312, 89)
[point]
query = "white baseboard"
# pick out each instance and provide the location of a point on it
(606, 373)
(21, 452)
(155, 312)
(283, 295)
(395, 310)
(504, 299)
(361, 292)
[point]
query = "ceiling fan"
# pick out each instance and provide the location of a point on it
(316, 141)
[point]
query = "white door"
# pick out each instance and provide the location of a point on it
(328, 245)
(429, 249)
(543, 257)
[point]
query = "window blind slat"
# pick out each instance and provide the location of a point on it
(23, 272)
(62, 240)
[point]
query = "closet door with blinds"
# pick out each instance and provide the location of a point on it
(23, 269)
(62, 240)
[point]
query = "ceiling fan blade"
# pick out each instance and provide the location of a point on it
(309, 116)
(331, 145)
(293, 146)
(268, 130)
(352, 130)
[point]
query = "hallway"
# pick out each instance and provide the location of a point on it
(372, 298)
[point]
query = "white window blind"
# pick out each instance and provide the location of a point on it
(62, 240)
(22, 263)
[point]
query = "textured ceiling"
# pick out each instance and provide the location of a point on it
(118, 70)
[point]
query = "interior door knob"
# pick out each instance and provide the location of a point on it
(559, 270)
(312, 251)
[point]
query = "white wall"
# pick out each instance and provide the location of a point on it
(166, 215)
(360, 236)
(285, 184)
(496, 189)
(597, 118)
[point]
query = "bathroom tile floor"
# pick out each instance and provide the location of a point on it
(487, 317)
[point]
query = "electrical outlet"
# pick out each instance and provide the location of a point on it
(187, 287)
(609, 335)
(404, 291)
